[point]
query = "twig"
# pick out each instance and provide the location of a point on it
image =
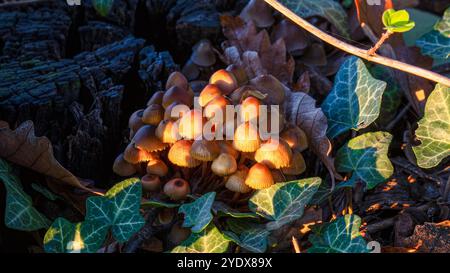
(362, 53)
(295, 245)
(380, 42)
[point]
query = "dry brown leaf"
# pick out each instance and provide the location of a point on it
(22, 147)
(430, 238)
(371, 14)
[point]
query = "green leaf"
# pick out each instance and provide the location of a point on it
(283, 203)
(443, 26)
(355, 100)
(209, 240)
(434, 44)
(159, 204)
(103, 7)
(197, 215)
(328, 9)
(397, 21)
(339, 236)
(434, 129)
(222, 209)
(66, 237)
(44, 191)
(366, 157)
(254, 240)
(19, 212)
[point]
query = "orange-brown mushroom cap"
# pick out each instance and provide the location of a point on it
(259, 177)
(216, 106)
(239, 73)
(135, 122)
(224, 165)
(246, 138)
(153, 114)
(177, 79)
(177, 94)
(150, 182)
(177, 189)
(123, 168)
(249, 110)
(145, 139)
(236, 181)
(157, 167)
(180, 154)
(156, 98)
(167, 131)
(191, 124)
(205, 150)
(208, 93)
(134, 155)
(225, 80)
(295, 137)
(275, 154)
(296, 166)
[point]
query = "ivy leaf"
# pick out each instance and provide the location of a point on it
(328, 9)
(434, 44)
(397, 21)
(45, 192)
(355, 100)
(222, 209)
(103, 7)
(197, 215)
(339, 236)
(283, 203)
(209, 240)
(66, 237)
(366, 157)
(443, 26)
(254, 240)
(434, 129)
(159, 204)
(19, 212)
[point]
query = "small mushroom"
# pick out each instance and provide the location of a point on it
(203, 53)
(239, 73)
(177, 79)
(167, 131)
(227, 148)
(157, 167)
(225, 80)
(236, 181)
(259, 177)
(135, 122)
(145, 139)
(246, 138)
(218, 105)
(295, 138)
(249, 110)
(134, 155)
(175, 110)
(156, 98)
(208, 93)
(177, 94)
(177, 189)
(122, 168)
(270, 86)
(205, 151)
(153, 114)
(275, 154)
(166, 215)
(296, 166)
(224, 165)
(180, 154)
(178, 234)
(258, 12)
(190, 70)
(191, 124)
(150, 183)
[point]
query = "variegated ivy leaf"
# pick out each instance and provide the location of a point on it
(283, 203)
(328, 9)
(103, 7)
(366, 157)
(19, 212)
(340, 236)
(437, 42)
(222, 209)
(434, 129)
(209, 240)
(197, 215)
(355, 100)
(125, 200)
(66, 237)
(254, 240)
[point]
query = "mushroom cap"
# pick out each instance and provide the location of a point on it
(157, 167)
(239, 73)
(198, 86)
(153, 114)
(177, 79)
(259, 177)
(295, 38)
(190, 70)
(224, 165)
(177, 94)
(296, 166)
(203, 54)
(208, 93)
(227, 148)
(166, 215)
(249, 110)
(258, 12)
(270, 86)
(134, 155)
(236, 181)
(177, 189)
(205, 150)
(145, 139)
(167, 131)
(275, 153)
(150, 182)
(191, 124)
(156, 98)
(175, 111)
(178, 234)
(295, 137)
(216, 106)
(180, 154)
(135, 122)
(225, 80)
(246, 138)
(122, 168)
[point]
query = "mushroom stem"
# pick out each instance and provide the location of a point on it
(235, 197)
(204, 170)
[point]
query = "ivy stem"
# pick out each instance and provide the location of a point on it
(380, 42)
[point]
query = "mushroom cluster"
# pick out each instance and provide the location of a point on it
(168, 146)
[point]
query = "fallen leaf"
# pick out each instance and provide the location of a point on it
(430, 238)
(23, 148)
(371, 14)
